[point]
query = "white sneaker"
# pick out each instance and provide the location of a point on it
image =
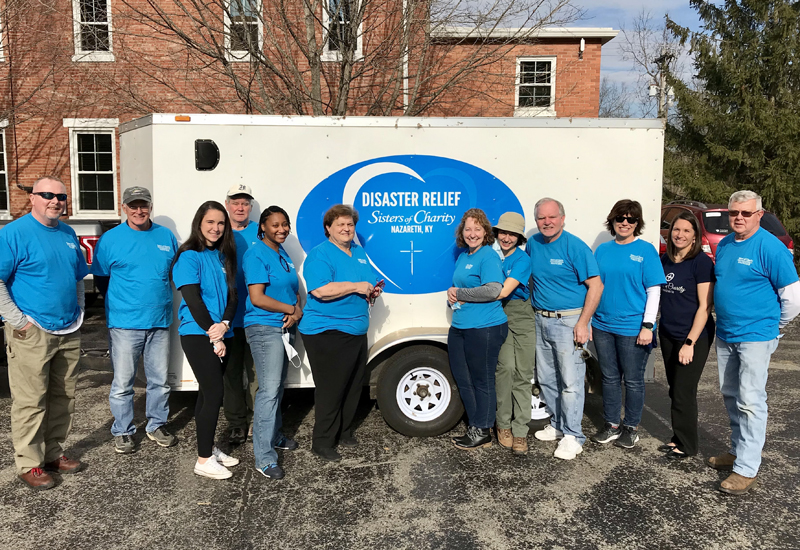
(213, 469)
(222, 458)
(568, 448)
(549, 433)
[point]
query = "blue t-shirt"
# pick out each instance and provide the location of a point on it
(679, 296)
(627, 270)
(41, 267)
(749, 275)
(262, 265)
(139, 294)
(517, 265)
(478, 269)
(244, 239)
(559, 270)
(327, 263)
(206, 268)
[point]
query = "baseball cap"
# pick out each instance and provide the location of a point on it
(240, 189)
(136, 194)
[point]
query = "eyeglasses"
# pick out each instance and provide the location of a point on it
(630, 219)
(144, 208)
(284, 263)
(744, 213)
(48, 196)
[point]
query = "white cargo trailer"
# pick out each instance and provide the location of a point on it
(410, 179)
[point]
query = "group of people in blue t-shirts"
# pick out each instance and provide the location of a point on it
(547, 302)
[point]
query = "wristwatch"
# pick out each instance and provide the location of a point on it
(648, 326)
(688, 342)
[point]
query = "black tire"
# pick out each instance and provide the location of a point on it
(397, 369)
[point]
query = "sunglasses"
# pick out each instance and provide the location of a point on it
(48, 196)
(284, 263)
(630, 219)
(744, 213)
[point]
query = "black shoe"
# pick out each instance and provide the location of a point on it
(475, 438)
(348, 440)
(327, 453)
(675, 454)
(237, 436)
(666, 447)
(608, 434)
(286, 443)
(628, 438)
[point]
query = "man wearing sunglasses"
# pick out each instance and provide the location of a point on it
(757, 294)
(42, 303)
(131, 268)
(241, 383)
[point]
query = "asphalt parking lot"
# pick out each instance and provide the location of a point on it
(398, 492)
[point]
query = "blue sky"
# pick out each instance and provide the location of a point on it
(617, 13)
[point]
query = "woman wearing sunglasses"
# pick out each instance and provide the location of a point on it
(686, 328)
(341, 286)
(204, 271)
(272, 308)
(622, 326)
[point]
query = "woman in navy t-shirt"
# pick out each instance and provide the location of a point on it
(686, 328)
(479, 326)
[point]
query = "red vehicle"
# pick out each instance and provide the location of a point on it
(714, 224)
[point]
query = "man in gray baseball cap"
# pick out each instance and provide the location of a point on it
(131, 265)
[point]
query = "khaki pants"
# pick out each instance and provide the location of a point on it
(240, 383)
(42, 372)
(515, 367)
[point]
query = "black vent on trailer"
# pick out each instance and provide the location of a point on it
(206, 154)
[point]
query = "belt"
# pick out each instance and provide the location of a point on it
(559, 314)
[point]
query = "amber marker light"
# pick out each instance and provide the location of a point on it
(183, 118)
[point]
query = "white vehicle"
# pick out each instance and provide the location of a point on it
(410, 179)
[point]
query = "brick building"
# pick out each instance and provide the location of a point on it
(72, 70)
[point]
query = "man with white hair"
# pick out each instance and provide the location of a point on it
(42, 303)
(757, 294)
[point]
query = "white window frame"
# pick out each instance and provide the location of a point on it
(242, 55)
(79, 126)
(91, 56)
(536, 111)
(5, 214)
(335, 55)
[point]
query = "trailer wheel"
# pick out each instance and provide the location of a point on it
(417, 394)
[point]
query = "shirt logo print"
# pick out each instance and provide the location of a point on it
(164, 247)
(745, 261)
(468, 266)
(361, 261)
(670, 276)
(554, 261)
(73, 246)
(637, 258)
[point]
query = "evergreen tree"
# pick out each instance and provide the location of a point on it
(738, 125)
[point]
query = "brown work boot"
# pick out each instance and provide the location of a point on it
(504, 438)
(520, 446)
(37, 479)
(721, 462)
(736, 484)
(64, 465)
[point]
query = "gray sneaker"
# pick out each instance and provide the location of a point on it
(162, 437)
(628, 438)
(124, 444)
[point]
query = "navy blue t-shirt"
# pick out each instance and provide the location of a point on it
(679, 296)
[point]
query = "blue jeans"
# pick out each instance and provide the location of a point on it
(560, 371)
(271, 365)
(621, 358)
(473, 361)
(126, 347)
(743, 370)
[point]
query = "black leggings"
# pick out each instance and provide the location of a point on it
(338, 361)
(208, 370)
(683, 381)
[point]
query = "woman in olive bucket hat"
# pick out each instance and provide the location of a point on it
(515, 364)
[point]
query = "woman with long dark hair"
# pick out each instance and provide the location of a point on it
(686, 328)
(273, 306)
(204, 271)
(622, 326)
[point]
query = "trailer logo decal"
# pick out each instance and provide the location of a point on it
(409, 207)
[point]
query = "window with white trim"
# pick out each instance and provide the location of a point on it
(93, 166)
(536, 86)
(92, 28)
(244, 29)
(338, 30)
(4, 207)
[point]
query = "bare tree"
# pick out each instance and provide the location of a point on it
(615, 99)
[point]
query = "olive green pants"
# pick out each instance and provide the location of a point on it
(42, 372)
(515, 367)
